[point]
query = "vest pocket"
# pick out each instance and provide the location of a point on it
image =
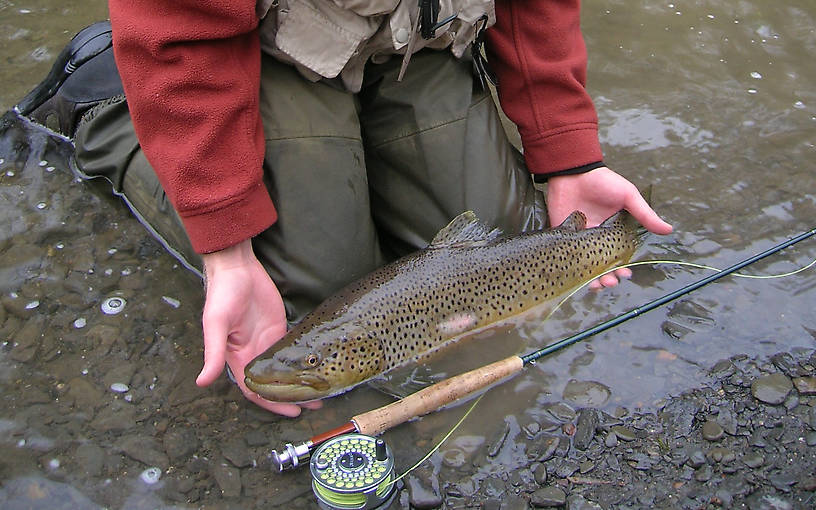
(320, 35)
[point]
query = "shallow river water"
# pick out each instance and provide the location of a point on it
(712, 103)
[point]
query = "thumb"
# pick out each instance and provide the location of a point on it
(645, 215)
(215, 346)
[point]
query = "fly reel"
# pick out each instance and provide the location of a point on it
(353, 472)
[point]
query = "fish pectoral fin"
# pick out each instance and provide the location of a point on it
(401, 382)
(462, 230)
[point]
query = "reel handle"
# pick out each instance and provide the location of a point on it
(377, 421)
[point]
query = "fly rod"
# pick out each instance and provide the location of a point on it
(433, 397)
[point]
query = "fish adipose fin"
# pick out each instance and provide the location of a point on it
(464, 229)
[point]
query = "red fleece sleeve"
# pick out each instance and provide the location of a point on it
(191, 73)
(538, 53)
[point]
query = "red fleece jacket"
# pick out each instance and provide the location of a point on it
(191, 73)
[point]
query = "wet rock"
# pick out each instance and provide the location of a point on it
(712, 431)
(423, 489)
(114, 418)
(540, 473)
(722, 369)
(514, 502)
(728, 421)
(185, 390)
(453, 458)
(39, 493)
(768, 502)
(84, 394)
(723, 498)
(497, 441)
(639, 461)
(805, 385)
(586, 393)
(772, 389)
(256, 438)
(757, 438)
(611, 440)
(90, 459)
(753, 460)
(566, 468)
(548, 497)
(179, 443)
(624, 433)
(562, 412)
(146, 450)
(521, 479)
(808, 484)
(543, 448)
(228, 479)
(786, 364)
(101, 337)
(696, 459)
(585, 430)
(237, 453)
(122, 373)
(782, 481)
(577, 502)
(679, 417)
(531, 429)
(27, 341)
(722, 455)
(703, 474)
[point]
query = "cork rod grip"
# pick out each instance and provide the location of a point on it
(433, 397)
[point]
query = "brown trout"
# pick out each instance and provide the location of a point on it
(467, 278)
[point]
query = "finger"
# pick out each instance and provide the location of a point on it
(645, 215)
(284, 409)
(215, 346)
(608, 280)
(623, 273)
(312, 404)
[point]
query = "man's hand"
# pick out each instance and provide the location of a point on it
(599, 194)
(243, 316)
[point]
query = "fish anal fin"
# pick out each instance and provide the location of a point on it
(464, 229)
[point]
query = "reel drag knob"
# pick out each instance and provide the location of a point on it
(353, 472)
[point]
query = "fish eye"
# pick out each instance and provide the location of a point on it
(312, 360)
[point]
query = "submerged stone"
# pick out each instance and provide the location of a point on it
(548, 497)
(805, 385)
(586, 393)
(772, 389)
(712, 431)
(623, 433)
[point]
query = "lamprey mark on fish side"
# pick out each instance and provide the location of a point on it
(467, 278)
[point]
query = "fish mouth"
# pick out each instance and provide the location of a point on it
(290, 387)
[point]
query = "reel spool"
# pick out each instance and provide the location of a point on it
(353, 472)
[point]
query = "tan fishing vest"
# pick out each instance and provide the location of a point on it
(331, 38)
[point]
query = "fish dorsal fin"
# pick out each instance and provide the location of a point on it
(574, 222)
(464, 229)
